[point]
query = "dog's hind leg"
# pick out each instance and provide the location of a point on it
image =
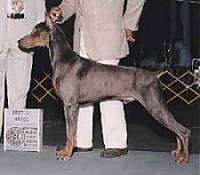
(152, 100)
(71, 116)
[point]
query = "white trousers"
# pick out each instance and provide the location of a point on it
(112, 119)
(15, 70)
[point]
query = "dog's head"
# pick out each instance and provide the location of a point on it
(37, 38)
(48, 34)
(41, 34)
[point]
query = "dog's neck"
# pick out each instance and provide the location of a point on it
(59, 47)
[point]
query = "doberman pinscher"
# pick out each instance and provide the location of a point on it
(82, 81)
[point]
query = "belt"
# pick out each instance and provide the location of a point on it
(15, 16)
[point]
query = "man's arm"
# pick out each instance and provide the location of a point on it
(66, 10)
(133, 13)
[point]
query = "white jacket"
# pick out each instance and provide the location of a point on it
(35, 13)
(102, 23)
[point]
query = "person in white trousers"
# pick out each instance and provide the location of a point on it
(18, 17)
(101, 32)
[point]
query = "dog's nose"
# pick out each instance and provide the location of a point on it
(21, 44)
(19, 41)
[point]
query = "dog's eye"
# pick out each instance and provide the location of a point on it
(33, 31)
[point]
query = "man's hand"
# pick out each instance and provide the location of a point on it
(129, 35)
(55, 14)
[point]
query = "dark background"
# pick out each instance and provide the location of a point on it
(154, 29)
(155, 23)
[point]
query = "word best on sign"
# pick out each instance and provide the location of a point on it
(23, 130)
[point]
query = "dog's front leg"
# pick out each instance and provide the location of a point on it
(71, 115)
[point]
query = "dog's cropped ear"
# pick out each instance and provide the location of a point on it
(49, 22)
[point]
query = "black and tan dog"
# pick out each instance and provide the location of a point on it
(80, 81)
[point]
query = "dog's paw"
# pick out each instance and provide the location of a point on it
(182, 160)
(63, 155)
(180, 157)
